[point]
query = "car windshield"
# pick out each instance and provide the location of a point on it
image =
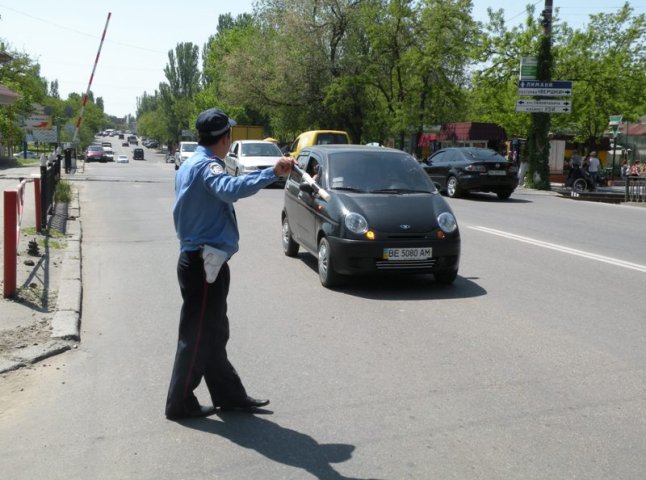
(378, 172)
(189, 147)
(260, 150)
(94, 148)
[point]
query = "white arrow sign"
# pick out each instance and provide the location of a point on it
(543, 106)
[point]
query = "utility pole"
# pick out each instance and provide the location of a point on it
(538, 143)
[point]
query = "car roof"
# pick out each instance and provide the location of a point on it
(327, 149)
(255, 141)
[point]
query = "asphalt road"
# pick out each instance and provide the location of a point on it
(531, 366)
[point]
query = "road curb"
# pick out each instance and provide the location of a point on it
(67, 318)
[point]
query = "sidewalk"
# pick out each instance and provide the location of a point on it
(43, 318)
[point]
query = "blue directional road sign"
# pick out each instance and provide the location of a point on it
(555, 88)
(544, 106)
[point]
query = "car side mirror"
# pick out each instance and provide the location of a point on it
(233, 154)
(307, 188)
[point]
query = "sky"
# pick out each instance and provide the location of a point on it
(63, 36)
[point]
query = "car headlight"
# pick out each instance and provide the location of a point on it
(447, 222)
(356, 223)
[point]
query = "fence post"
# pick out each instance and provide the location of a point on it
(10, 241)
(38, 200)
(43, 193)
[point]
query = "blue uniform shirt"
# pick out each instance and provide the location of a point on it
(204, 196)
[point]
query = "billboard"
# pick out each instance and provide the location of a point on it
(36, 121)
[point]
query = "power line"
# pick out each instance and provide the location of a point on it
(63, 27)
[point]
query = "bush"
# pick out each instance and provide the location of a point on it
(63, 192)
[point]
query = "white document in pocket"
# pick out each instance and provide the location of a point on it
(213, 258)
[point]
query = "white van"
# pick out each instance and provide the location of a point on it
(185, 151)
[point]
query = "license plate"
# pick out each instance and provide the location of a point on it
(497, 172)
(404, 254)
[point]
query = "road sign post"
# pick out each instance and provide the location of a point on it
(614, 122)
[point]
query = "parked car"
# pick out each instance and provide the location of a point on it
(138, 154)
(30, 155)
(122, 158)
(383, 215)
(95, 153)
(457, 170)
(249, 155)
(318, 137)
(184, 151)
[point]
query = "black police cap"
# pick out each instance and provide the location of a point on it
(213, 122)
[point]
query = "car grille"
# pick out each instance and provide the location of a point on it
(410, 265)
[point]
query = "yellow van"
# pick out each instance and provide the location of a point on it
(318, 137)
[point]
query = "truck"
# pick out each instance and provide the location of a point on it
(247, 132)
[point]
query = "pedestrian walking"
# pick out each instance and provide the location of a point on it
(206, 226)
(593, 167)
(522, 171)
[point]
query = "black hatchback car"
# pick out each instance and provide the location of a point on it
(383, 215)
(458, 170)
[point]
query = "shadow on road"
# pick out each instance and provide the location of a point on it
(280, 444)
(487, 197)
(402, 287)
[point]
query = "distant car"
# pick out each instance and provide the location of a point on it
(109, 153)
(132, 139)
(138, 154)
(383, 215)
(125, 144)
(318, 137)
(249, 155)
(95, 153)
(122, 158)
(184, 151)
(457, 170)
(30, 155)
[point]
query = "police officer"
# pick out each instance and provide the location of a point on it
(206, 226)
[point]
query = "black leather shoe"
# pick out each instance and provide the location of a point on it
(201, 411)
(248, 403)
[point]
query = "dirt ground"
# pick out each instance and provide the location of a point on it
(25, 319)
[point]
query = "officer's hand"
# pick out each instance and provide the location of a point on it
(284, 166)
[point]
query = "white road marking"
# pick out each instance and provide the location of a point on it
(561, 248)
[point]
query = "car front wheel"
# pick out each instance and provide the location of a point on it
(328, 277)
(452, 187)
(504, 195)
(290, 247)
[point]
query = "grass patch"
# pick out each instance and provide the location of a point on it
(52, 232)
(27, 162)
(63, 192)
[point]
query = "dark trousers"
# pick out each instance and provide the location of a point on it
(203, 336)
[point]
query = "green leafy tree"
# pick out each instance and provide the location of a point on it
(22, 75)
(607, 63)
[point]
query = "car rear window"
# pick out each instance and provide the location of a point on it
(484, 155)
(369, 171)
(331, 139)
